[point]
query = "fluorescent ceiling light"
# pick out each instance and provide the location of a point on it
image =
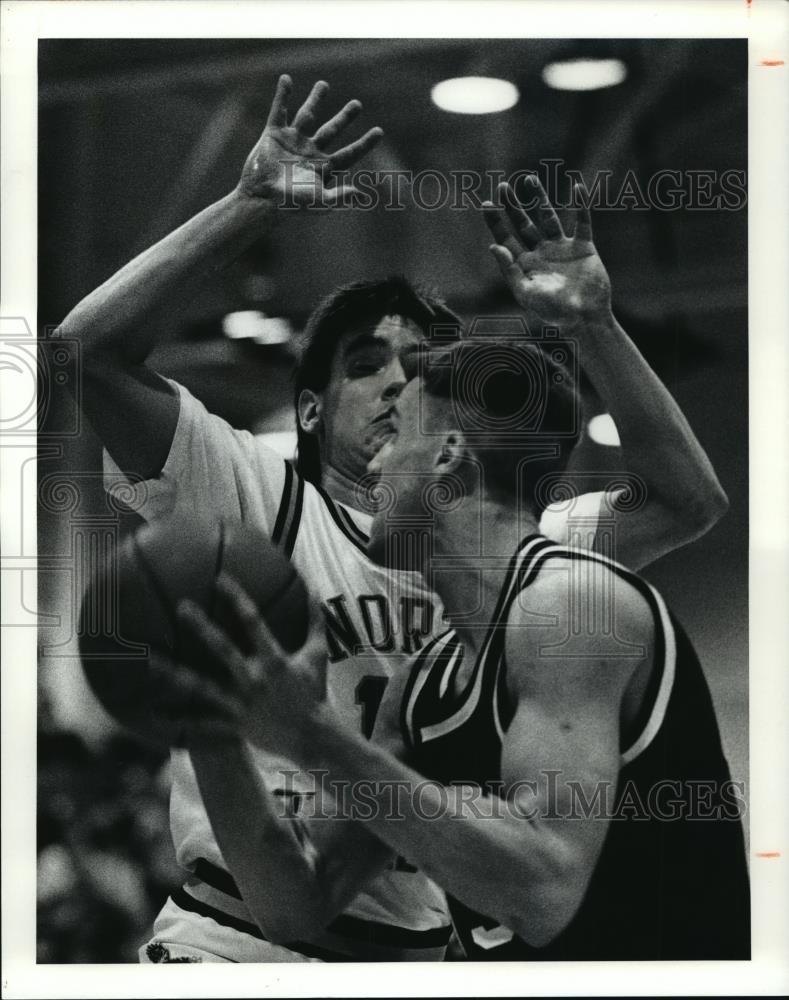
(602, 430)
(584, 74)
(252, 325)
(475, 95)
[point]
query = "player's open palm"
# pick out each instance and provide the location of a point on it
(290, 166)
(556, 278)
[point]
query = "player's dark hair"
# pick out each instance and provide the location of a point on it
(348, 307)
(520, 411)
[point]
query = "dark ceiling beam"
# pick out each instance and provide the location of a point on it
(242, 67)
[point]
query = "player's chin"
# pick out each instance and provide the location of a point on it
(378, 436)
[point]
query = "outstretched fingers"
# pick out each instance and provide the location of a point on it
(278, 114)
(304, 119)
(332, 128)
(519, 217)
(499, 230)
(581, 214)
(510, 270)
(547, 219)
(349, 155)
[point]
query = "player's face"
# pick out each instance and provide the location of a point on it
(369, 371)
(405, 466)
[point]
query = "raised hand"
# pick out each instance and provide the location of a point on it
(289, 165)
(557, 279)
(274, 693)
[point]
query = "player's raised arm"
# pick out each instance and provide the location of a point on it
(560, 281)
(134, 410)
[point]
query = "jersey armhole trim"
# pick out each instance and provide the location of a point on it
(656, 716)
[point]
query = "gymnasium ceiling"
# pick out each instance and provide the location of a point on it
(135, 136)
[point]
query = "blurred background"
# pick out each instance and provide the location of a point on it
(136, 136)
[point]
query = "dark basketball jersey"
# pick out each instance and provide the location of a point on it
(671, 881)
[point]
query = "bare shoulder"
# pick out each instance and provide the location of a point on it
(566, 618)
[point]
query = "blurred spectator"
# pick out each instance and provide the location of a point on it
(105, 859)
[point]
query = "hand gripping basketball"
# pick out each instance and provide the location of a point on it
(276, 693)
(138, 662)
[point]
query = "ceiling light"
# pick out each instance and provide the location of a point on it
(253, 325)
(475, 95)
(602, 430)
(584, 74)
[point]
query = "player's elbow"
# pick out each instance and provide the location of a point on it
(685, 522)
(548, 905)
(703, 514)
(703, 510)
(717, 506)
(553, 913)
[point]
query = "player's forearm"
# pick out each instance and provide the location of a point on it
(262, 849)
(657, 441)
(507, 867)
(120, 316)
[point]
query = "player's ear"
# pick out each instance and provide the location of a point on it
(451, 453)
(310, 407)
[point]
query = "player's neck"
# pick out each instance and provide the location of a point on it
(474, 545)
(345, 489)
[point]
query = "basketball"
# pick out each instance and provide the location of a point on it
(129, 606)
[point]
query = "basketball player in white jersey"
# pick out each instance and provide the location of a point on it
(361, 349)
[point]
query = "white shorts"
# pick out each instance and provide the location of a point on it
(182, 936)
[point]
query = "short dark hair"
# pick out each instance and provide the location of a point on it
(502, 393)
(344, 309)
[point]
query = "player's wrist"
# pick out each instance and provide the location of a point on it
(257, 208)
(596, 317)
(325, 738)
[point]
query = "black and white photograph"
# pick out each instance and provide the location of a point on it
(385, 538)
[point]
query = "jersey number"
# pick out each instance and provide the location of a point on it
(369, 692)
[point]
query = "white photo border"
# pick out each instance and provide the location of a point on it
(765, 23)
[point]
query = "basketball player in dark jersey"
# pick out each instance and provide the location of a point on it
(579, 803)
